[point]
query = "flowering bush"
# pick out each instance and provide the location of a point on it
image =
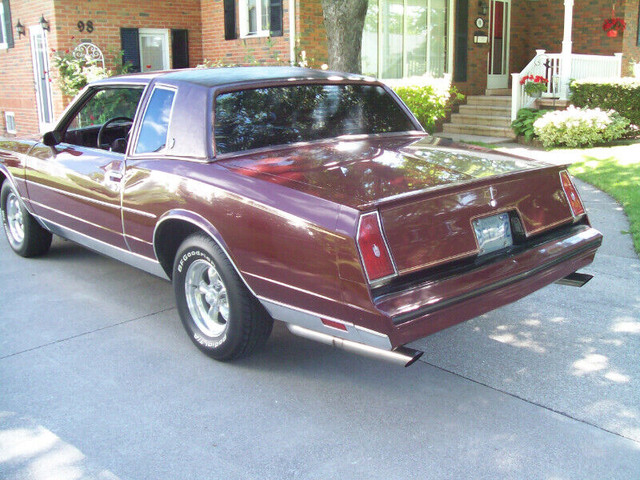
(429, 99)
(75, 73)
(534, 84)
(576, 127)
(614, 23)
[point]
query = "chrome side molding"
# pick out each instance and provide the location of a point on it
(400, 356)
(575, 279)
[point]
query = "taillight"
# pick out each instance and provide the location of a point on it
(373, 248)
(572, 194)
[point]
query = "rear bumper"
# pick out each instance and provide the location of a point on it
(437, 304)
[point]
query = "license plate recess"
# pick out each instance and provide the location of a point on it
(493, 233)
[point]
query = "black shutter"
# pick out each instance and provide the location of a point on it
(8, 28)
(275, 16)
(461, 35)
(230, 20)
(131, 48)
(180, 48)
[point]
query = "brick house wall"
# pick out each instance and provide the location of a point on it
(241, 51)
(310, 32)
(17, 94)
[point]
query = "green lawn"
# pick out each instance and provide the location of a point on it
(619, 176)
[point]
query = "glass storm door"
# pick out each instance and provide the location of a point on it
(499, 28)
(40, 59)
(154, 49)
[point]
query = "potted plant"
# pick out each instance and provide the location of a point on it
(614, 25)
(534, 85)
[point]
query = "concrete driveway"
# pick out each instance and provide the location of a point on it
(98, 380)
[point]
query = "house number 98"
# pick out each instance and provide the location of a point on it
(82, 26)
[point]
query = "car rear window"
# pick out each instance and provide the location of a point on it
(263, 117)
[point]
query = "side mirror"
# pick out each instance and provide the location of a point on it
(51, 139)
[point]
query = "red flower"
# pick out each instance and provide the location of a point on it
(614, 23)
(148, 66)
(66, 51)
(534, 79)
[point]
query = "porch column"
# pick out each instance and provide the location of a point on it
(565, 62)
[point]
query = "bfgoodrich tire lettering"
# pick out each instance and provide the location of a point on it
(222, 318)
(25, 235)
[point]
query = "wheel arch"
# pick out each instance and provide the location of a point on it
(174, 227)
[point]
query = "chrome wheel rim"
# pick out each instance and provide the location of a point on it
(15, 220)
(207, 298)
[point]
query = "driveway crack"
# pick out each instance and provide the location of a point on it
(106, 327)
(531, 402)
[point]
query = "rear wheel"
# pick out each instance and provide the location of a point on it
(221, 316)
(25, 235)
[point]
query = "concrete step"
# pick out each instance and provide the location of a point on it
(498, 111)
(495, 101)
(498, 91)
(489, 120)
(479, 130)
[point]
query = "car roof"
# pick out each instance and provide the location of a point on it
(229, 76)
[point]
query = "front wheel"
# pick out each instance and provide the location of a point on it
(221, 316)
(25, 235)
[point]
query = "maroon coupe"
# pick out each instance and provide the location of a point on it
(309, 197)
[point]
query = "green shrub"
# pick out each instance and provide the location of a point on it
(429, 103)
(621, 95)
(575, 127)
(523, 124)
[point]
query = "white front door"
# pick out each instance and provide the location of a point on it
(40, 58)
(154, 49)
(499, 30)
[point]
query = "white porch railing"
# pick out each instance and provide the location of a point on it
(549, 66)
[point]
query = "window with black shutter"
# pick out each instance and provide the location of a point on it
(256, 18)
(6, 31)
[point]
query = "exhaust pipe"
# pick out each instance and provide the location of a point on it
(575, 279)
(400, 356)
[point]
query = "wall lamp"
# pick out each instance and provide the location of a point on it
(44, 24)
(20, 29)
(483, 9)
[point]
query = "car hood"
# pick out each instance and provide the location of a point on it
(362, 172)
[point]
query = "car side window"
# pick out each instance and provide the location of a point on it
(155, 124)
(106, 117)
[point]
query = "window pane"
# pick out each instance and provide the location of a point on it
(107, 104)
(438, 38)
(252, 16)
(370, 40)
(153, 133)
(265, 14)
(152, 51)
(392, 41)
(263, 117)
(416, 39)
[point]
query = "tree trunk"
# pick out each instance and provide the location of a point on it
(344, 22)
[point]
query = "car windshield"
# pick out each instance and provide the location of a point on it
(263, 117)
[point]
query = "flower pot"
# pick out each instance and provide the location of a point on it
(612, 33)
(535, 94)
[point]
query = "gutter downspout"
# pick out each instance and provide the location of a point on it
(292, 32)
(565, 64)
